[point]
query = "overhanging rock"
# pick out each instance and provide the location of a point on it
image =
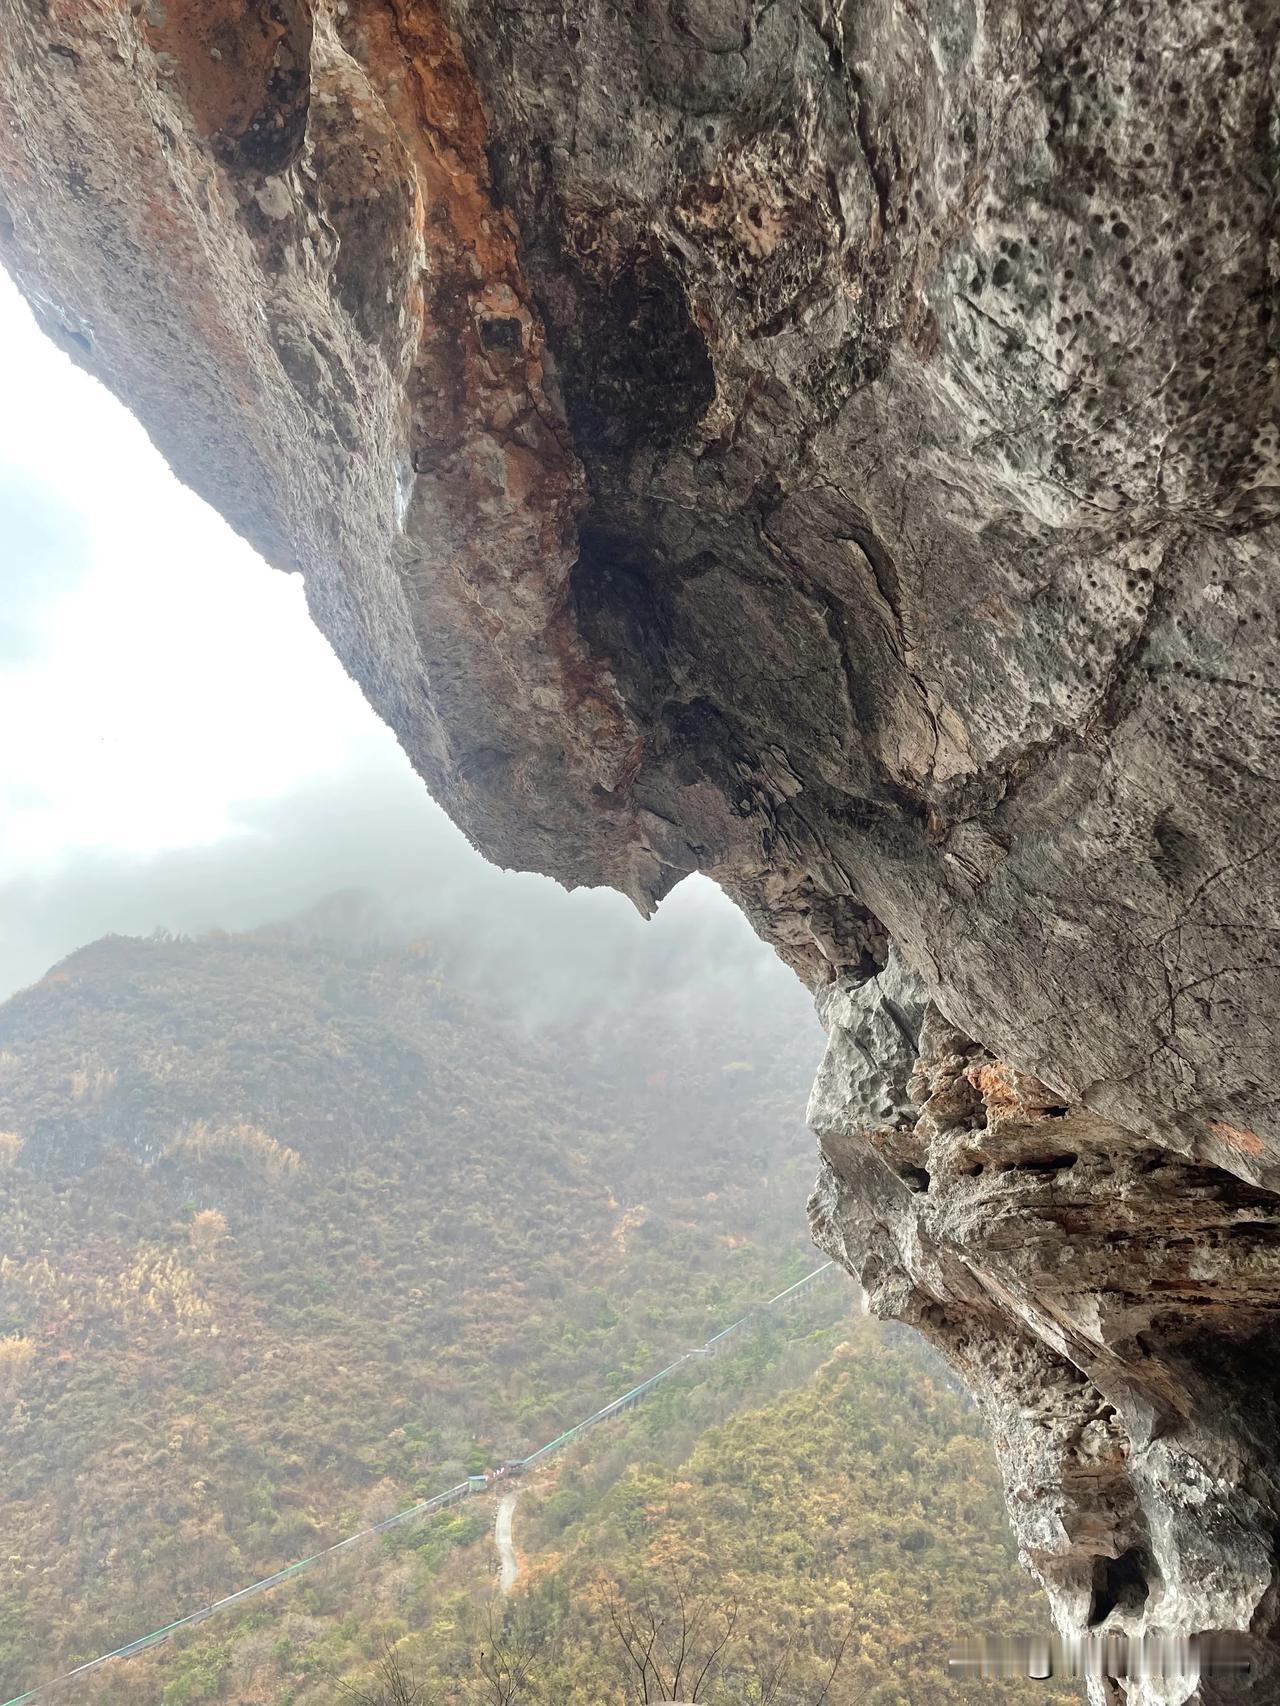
(835, 448)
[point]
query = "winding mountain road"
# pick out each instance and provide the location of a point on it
(509, 1564)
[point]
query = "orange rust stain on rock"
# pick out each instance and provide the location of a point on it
(481, 420)
(474, 285)
(1245, 1142)
(523, 473)
(1012, 1095)
(241, 67)
(994, 1082)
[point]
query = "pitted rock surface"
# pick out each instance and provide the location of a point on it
(1111, 1305)
(834, 447)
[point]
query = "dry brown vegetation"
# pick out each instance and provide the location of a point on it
(424, 1279)
(208, 1229)
(202, 1141)
(16, 1356)
(91, 1081)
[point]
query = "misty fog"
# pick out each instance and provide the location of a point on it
(372, 830)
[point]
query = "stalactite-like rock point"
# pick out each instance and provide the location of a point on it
(835, 448)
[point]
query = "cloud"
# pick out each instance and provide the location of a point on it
(372, 828)
(45, 553)
(153, 670)
(182, 748)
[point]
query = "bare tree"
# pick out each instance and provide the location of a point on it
(766, 1673)
(671, 1651)
(765, 1677)
(395, 1683)
(507, 1663)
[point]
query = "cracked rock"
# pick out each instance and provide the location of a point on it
(834, 447)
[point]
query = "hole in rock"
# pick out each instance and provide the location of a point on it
(916, 1178)
(502, 333)
(1046, 1164)
(1227, 1188)
(1177, 857)
(1119, 1584)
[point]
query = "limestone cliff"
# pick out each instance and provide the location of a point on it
(832, 446)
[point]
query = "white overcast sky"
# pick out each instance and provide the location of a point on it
(157, 677)
(180, 747)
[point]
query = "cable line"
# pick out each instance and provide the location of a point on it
(425, 1507)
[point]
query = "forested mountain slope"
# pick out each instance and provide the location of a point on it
(290, 1232)
(295, 1230)
(859, 1508)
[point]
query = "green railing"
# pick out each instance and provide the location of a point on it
(425, 1507)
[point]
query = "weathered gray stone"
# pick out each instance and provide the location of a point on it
(1109, 1304)
(835, 447)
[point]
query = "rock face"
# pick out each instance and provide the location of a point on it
(1110, 1302)
(834, 447)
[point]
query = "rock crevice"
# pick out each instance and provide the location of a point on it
(833, 447)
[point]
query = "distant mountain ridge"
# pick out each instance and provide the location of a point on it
(295, 1229)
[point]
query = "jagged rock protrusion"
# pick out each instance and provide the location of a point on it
(830, 446)
(1114, 1307)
